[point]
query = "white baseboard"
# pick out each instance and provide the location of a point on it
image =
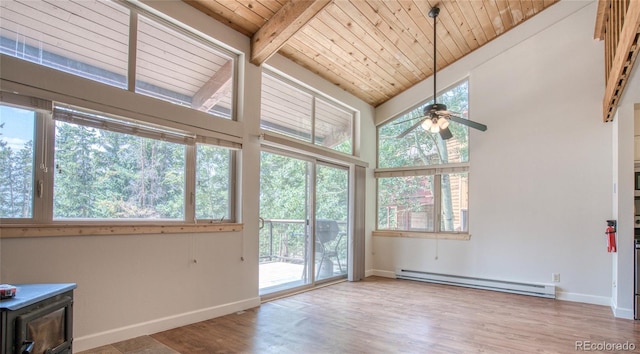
(621, 312)
(161, 324)
(587, 299)
(560, 295)
(381, 273)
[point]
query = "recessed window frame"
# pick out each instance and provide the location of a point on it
(315, 96)
(43, 176)
(435, 170)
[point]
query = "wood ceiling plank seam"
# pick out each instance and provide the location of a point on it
(447, 49)
(170, 78)
(505, 14)
(156, 35)
(176, 63)
(281, 111)
(516, 11)
(401, 55)
(414, 35)
(482, 15)
(53, 18)
(280, 108)
(335, 53)
(538, 5)
(153, 77)
(494, 17)
(335, 62)
(333, 116)
(443, 33)
(222, 14)
(469, 14)
(283, 102)
(455, 13)
(273, 6)
(425, 27)
(302, 53)
(406, 41)
(97, 12)
(527, 9)
(387, 50)
(258, 8)
(179, 69)
(40, 32)
(188, 49)
(280, 117)
(68, 44)
(381, 57)
(353, 40)
(274, 84)
(242, 11)
(302, 60)
(291, 97)
(451, 30)
(388, 81)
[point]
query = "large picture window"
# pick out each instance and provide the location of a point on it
(100, 174)
(109, 168)
(423, 179)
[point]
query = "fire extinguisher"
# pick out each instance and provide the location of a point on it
(611, 233)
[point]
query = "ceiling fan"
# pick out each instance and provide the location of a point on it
(435, 117)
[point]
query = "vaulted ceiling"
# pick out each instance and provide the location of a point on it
(374, 49)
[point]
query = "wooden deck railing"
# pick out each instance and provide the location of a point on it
(618, 24)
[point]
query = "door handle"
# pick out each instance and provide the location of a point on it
(261, 223)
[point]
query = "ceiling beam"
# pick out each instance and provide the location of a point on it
(214, 89)
(282, 26)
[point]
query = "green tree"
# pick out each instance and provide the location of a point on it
(74, 171)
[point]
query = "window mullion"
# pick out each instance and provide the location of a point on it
(190, 184)
(437, 202)
(45, 169)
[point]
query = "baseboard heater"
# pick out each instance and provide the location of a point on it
(541, 290)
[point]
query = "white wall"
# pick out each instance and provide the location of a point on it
(540, 176)
(131, 285)
(627, 113)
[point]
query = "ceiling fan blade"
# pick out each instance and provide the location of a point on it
(410, 119)
(445, 134)
(411, 128)
(468, 123)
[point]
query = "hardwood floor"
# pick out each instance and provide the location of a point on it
(380, 315)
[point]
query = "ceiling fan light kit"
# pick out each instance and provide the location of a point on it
(435, 117)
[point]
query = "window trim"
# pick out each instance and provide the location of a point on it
(315, 95)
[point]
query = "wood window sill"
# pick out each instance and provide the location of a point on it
(58, 230)
(418, 234)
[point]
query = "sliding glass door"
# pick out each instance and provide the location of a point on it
(304, 210)
(332, 221)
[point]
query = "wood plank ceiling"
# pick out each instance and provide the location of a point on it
(374, 49)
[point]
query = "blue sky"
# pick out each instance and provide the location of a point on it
(18, 126)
